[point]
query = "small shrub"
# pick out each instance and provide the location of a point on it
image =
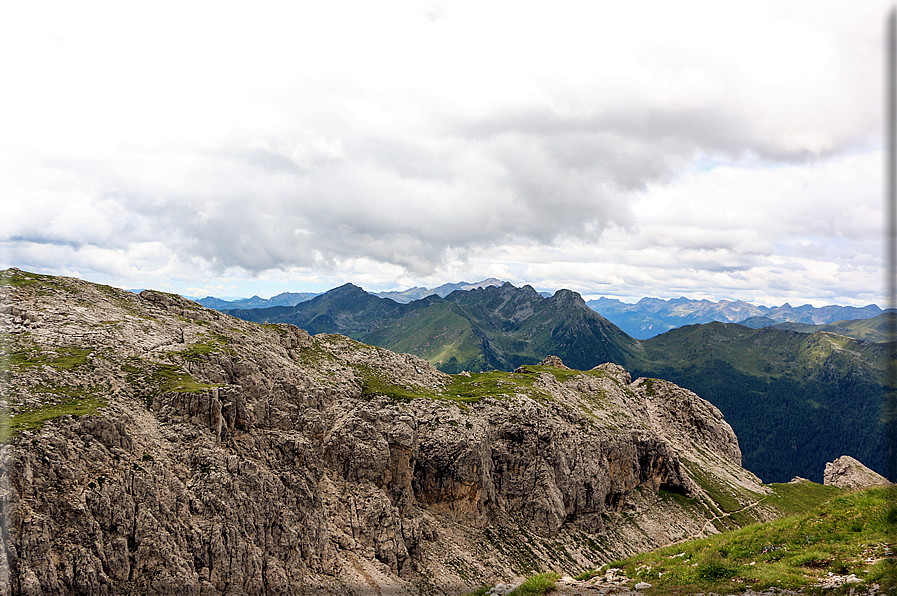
(839, 566)
(891, 516)
(714, 570)
(812, 559)
(649, 387)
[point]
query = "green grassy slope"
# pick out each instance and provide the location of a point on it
(851, 534)
(436, 331)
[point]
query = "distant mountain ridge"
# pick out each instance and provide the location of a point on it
(650, 317)
(294, 298)
(282, 299)
(487, 328)
(875, 329)
(417, 292)
(646, 318)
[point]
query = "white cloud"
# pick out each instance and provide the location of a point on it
(419, 142)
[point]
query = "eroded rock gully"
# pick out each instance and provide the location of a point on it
(225, 457)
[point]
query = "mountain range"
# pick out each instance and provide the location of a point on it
(796, 399)
(474, 330)
(294, 298)
(644, 319)
(876, 329)
(417, 292)
(282, 299)
(652, 316)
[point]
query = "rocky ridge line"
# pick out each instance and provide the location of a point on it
(223, 456)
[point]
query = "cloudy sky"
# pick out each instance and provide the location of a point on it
(708, 150)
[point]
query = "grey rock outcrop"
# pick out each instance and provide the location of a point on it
(553, 361)
(158, 447)
(847, 472)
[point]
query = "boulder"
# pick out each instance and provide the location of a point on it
(846, 472)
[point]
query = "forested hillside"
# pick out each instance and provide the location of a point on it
(795, 400)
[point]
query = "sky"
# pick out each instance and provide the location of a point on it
(714, 150)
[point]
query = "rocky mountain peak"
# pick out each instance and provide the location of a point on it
(159, 447)
(347, 289)
(568, 298)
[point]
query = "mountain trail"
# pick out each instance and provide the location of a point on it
(704, 529)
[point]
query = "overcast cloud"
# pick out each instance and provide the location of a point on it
(655, 149)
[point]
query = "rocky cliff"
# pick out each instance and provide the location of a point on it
(153, 446)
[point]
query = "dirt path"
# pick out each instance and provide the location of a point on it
(567, 586)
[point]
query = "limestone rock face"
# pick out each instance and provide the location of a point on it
(158, 447)
(847, 472)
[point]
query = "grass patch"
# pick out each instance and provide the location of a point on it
(800, 496)
(26, 358)
(561, 374)
(587, 575)
(66, 358)
(848, 534)
(76, 401)
(372, 385)
(172, 378)
(496, 384)
(650, 390)
(151, 379)
(479, 591)
(696, 505)
(69, 358)
(462, 390)
(19, 279)
(199, 351)
(536, 585)
(196, 352)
